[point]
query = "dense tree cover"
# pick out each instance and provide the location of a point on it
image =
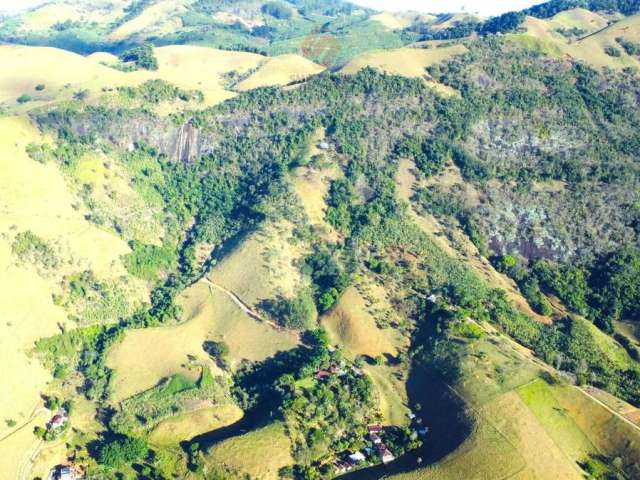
(147, 261)
(156, 91)
(122, 451)
(298, 313)
(328, 278)
(142, 57)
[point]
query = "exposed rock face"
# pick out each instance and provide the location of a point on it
(178, 142)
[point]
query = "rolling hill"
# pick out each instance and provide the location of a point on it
(294, 239)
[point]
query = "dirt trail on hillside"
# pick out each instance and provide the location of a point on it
(241, 304)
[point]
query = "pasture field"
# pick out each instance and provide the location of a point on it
(391, 393)
(20, 447)
(186, 426)
(146, 356)
(187, 66)
(407, 62)
(312, 186)
(280, 70)
(115, 199)
(262, 266)
(542, 35)
(400, 20)
(486, 455)
(34, 197)
(351, 325)
(49, 14)
(540, 399)
(161, 17)
(259, 453)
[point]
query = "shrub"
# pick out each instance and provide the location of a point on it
(29, 247)
(277, 10)
(24, 98)
(122, 452)
(612, 51)
(298, 313)
(142, 57)
(40, 87)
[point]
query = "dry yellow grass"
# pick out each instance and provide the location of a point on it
(35, 197)
(18, 450)
(391, 394)
(186, 426)
(351, 325)
(47, 15)
(260, 453)
(312, 186)
(112, 193)
(408, 62)
(263, 266)
(541, 35)
(400, 20)
(543, 457)
(280, 71)
(161, 17)
(146, 356)
(191, 67)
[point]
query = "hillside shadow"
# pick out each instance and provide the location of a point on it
(442, 411)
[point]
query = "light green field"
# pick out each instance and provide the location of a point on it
(259, 453)
(184, 427)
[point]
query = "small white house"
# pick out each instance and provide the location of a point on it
(357, 457)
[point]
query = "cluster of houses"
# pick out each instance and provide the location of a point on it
(350, 462)
(383, 452)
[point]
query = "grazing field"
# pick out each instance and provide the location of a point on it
(146, 356)
(407, 62)
(19, 447)
(312, 186)
(486, 455)
(258, 454)
(190, 67)
(161, 17)
(544, 456)
(351, 325)
(280, 71)
(400, 20)
(34, 197)
(47, 15)
(391, 393)
(542, 35)
(262, 266)
(184, 427)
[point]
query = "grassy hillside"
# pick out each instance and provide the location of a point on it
(229, 253)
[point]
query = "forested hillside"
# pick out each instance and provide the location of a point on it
(225, 270)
